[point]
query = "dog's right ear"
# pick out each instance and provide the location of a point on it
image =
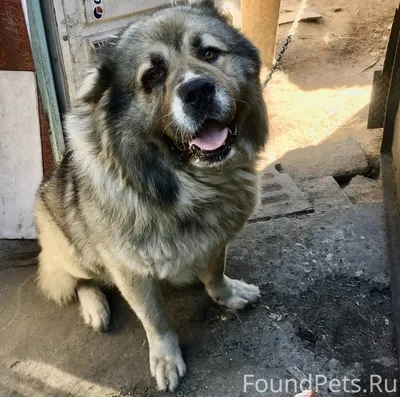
(95, 84)
(99, 78)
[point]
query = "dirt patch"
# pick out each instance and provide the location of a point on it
(346, 319)
(371, 25)
(321, 95)
(360, 28)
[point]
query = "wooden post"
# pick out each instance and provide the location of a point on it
(260, 25)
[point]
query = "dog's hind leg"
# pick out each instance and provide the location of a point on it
(60, 276)
(59, 285)
(56, 284)
(56, 261)
(94, 305)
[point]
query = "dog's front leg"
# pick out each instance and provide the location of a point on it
(144, 296)
(234, 294)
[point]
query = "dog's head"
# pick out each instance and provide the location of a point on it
(182, 78)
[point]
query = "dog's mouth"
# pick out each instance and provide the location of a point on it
(211, 143)
(211, 136)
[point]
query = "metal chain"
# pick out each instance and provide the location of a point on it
(289, 37)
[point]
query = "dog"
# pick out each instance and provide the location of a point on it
(159, 173)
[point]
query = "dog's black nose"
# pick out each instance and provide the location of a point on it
(197, 92)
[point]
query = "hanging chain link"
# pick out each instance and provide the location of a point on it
(289, 37)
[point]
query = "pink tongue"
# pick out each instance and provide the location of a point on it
(212, 136)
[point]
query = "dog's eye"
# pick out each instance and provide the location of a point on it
(210, 55)
(153, 77)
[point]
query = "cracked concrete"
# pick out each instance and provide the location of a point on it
(337, 158)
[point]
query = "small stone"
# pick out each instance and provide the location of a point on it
(276, 317)
(337, 9)
(363, 190)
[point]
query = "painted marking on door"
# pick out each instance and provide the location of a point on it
(98, 12)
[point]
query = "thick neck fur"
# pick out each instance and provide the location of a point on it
(93, 160)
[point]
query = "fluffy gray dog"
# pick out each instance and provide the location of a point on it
(159, 173)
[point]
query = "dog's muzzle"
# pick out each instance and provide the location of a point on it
(209, 135)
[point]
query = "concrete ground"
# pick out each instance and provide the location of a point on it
(325, 310)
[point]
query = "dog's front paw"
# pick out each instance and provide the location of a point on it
(235, 294)
(166, 362)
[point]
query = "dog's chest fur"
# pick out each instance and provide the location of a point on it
(178, 241)
(209, 219)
